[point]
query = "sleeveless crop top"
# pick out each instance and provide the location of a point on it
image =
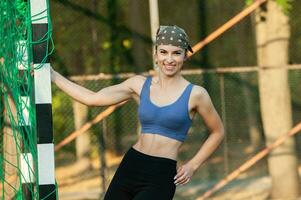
(172, 120)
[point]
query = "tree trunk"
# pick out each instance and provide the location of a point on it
(154, 22)
(137, 24)
(82, 142)
(273, 33)
(95, 39)
(10, 154)
(115, 136)
(1, 127)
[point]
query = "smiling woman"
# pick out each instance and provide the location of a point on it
(170, 59)
(167, 105)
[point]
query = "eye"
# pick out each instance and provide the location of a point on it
(162, 51)
(178, 53)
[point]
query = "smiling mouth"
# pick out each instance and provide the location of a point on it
(169, 67)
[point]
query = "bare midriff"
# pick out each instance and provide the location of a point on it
(157, 145)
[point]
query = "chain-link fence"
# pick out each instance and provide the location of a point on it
(114, 37)
(236, 98)
(78, 51)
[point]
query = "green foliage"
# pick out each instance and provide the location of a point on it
(249, 2)
(286, 5)
(62, 106)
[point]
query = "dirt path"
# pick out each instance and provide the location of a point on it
(80, 182)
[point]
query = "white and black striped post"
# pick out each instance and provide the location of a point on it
(43, 100)
(26, 159)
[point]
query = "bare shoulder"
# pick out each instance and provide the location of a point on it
(137, 79)
(199, 92)
(135, 83)
(199, 96)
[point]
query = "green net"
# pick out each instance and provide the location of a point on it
(18, 141)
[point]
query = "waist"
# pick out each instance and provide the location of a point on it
(157, 145)
(167, 133)
(142, 156)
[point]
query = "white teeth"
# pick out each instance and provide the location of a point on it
(169, 67)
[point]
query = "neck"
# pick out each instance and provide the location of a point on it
(166, 81)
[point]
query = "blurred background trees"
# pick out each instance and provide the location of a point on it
(114, 36)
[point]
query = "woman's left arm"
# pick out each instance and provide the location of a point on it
(202, 103)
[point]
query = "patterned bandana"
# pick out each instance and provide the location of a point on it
(173, 35)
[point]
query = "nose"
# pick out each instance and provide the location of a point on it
(169, 58)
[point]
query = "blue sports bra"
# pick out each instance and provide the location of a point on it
(172, 120)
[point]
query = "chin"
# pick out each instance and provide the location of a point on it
(170, 73)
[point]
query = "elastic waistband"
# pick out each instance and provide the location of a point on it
(152, 158)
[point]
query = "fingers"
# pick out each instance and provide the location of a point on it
(186, 180)
(184, 174)
(179, 174)
(182, 177)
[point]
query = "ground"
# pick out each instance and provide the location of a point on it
(79, 181)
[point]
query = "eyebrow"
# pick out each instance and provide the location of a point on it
(179, 50)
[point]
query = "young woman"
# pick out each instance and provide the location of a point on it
(167, 105)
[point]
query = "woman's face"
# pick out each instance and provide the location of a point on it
(170, 59)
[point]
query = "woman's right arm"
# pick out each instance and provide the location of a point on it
(104, 97)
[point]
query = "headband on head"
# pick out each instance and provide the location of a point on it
(173, 35)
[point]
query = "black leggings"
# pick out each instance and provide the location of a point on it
(143, 177)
